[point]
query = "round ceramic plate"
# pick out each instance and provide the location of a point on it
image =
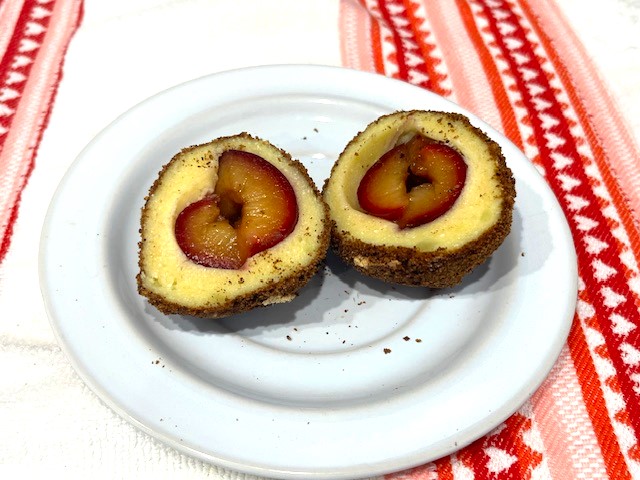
(355, 377)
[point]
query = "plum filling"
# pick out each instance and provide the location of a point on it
(413, 183)
(414, 180)
(253, 208)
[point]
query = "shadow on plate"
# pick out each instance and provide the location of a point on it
(484, 278)
(336, 281)
(271, 315)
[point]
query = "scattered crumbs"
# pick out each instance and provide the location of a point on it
(346, 310)
(522, 254)
(295, 328)
(327, 333)
(162, 419)
(237, 420)
(304, 138)
(344, 341)
(406, 339)
(347, 292)
(361, 302)
(418, 340)
(451, 296)
(289, 337)
(387, 350)
(315, 130)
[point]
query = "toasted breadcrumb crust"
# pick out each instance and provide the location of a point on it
(441, 268)
(279, 291)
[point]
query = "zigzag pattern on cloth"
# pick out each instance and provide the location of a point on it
(30, 63)
(512, 69)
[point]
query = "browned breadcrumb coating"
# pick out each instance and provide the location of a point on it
(282, 290)
(270, 294)
(436, 269)
(406, 266)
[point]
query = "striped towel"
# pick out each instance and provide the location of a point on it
(518, 65)
(515, 63)
(33, 40)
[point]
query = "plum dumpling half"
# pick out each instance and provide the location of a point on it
(420, 198)
(228, 226)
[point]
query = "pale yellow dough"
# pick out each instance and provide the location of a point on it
(476, 210)
(165, 269)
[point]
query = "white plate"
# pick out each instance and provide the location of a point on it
(304, 389)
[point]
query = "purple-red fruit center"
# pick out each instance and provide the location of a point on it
(253, 208)
(414, 183)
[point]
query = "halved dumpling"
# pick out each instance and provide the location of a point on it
(228, 226)
(420, 198)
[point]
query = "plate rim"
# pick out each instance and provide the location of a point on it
(103, 394)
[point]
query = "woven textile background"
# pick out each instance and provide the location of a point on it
(33, 40)
(519, 66)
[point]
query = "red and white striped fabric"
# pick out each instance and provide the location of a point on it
(34, 35)
(518, 65)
